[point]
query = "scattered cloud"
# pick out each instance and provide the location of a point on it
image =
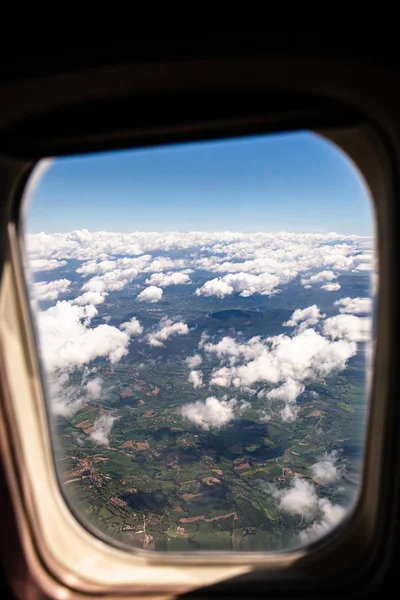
(354, 306)
(301, 498)
(196, 378)
(318, 278)
(307, 355)
(165, 279)
(94, 388)
(102, 429)
(194, 361)
(67, 341)
(212, 413)
(329, 516)
(327, 470)
(306, 316)
(90, 298)
(46, 264)
(150, 294)
(215, 287)
(331, 287)
(168, 329)
(132, 327)
(244, 264)
(348, 327)
(51, 290)
(288, 393)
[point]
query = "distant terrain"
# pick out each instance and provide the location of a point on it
(207, 391)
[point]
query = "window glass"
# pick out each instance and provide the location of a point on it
(204, 315)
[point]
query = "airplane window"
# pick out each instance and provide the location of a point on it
(204, 320)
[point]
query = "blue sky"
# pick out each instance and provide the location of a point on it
(287, 182)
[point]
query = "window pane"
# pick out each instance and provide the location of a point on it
(204, 322)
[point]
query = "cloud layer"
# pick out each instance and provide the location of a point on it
(212, 413)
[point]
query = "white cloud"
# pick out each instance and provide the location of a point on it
(228, 252)
(132, 327)
(112, 275)
(327, 469)
(46, 264)
(244, 283)
(94, 388)
(349, 327)
(90, 298)
(51, 290)
(308, 316)
(102, 429)
(212, 413)
(150, 294)
(164, 263)
(354, 305)
(318, 278)
(246, 264)
(215, 287)
(130, 267)
(168, 329)
(299, 499)
(330, 515)
(165, 279)
(196, 378)
(308, 355)
(247, 284)
(288, 391)
(289, 413)
(67, 342)
(67, 397)
(331, 287)
(194, 361)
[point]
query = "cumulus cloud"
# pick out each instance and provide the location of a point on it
(327, 470)
(331, 287)
(215, 287)
(330, 515)
(112, 275)
(132, 327)
(51, 290)
(318, 278)
(165, 279)
(150, 294)
(94, 388)
(245, 264)
(287, 361)
(301, 498)
(67, 341)
(257, 263)
(102, 429)
(280, 254)
(212, 413)
(348, 327)
(194, 361)
(90, 298)
(168, 329)
(196, 378)
(244, 283)
(46, 264)
(307, 355)
(67, 397)
(288, 393)
(354, 306)
(307, 316)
